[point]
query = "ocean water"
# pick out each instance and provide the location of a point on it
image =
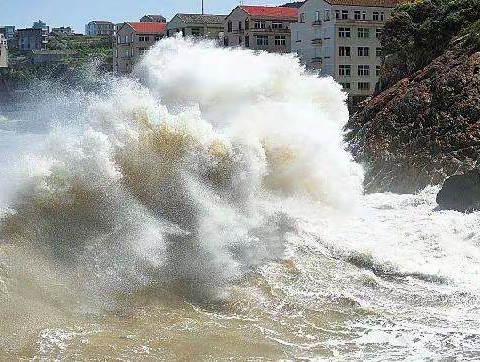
(206, 209)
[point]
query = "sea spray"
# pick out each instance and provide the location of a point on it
(219, 175)
(164, 182)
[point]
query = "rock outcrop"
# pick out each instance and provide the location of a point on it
(423, 123)
(461, 192)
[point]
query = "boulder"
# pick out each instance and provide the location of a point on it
(461, 192)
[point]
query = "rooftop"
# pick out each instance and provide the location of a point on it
(202, 18)
(271, 11)
(148, 27)
(158, 18)
(101, 22)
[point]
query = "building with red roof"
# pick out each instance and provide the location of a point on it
(133, 39)
(260, 28)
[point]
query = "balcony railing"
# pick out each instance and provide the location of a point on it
(271, 30)
(317, 23)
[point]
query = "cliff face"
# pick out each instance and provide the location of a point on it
(423, 123)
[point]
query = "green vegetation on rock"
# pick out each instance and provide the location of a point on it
(421, 31)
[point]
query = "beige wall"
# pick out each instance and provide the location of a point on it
(325, 50)
(210, 31)
(129, 47)
(238, 36)
(3, 52)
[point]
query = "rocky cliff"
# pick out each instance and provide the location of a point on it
(423, 123)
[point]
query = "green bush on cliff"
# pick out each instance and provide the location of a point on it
(420, 31)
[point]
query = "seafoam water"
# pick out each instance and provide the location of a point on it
(206, 208)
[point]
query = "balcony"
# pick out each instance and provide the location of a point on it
(317, 23)
(316, 60)
(270, 30)
(317, 41)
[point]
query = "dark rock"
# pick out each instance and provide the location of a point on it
(423, 128)
(461, 192)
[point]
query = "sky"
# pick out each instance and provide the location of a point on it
(76, 13)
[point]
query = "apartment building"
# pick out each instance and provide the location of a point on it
(153, 19)
(3, 52)
(260, 28)
(8, 31)
(340, 38)
(203, 25)
(99, 28)
(133, 39)
(30, 39)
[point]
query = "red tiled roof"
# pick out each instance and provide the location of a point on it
(271, 12)
(149, 27)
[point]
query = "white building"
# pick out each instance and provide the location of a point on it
(340, 38)
(100, 28)
(3, 52)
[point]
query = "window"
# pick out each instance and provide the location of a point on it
(195, 31)
(225, 41)
(116, 53)
(344, 32)
(277, 25)
(157, 37)
(240, 25)
(247, 41)
(337, 14)
(327, 52)
(382, 16)
(363, 86)
(119, 39)
(317, 15)
(344, 69)
(378, 32)
(127, 52)
(363, 51)
(364, 15)
(143, 38)
(297, 36)
(229, 27)
(344, 14)
(345, 85)
(364, 70)
(326, 16)
(280, 40)
(302, 17)
(377, 70)
(240, 40)
(363, 33)
(356, 15)
(262, 40)
(344, 51)
(247, 24)
(378, 52)
(126, 38)
(260, 25)
(375, 16)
